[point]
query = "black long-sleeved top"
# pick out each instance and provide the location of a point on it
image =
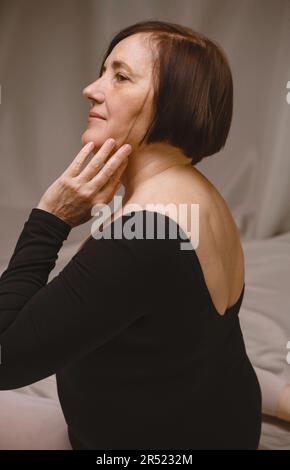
(142, 358)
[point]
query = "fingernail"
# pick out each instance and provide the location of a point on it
(127, 147)
(111, 141)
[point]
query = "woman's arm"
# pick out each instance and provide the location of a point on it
(43, 328)
(33, 259)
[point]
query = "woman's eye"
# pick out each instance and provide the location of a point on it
(121, 76)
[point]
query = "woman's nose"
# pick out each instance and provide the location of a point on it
(86, 91)
(92, 91)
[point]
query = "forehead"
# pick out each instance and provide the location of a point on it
(135, 51)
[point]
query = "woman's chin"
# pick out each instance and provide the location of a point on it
(89, 136)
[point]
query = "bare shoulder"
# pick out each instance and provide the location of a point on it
(219, 250)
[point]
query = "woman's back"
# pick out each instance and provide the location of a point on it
(219, 250)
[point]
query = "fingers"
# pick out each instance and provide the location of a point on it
(109, 190)
(111, 170)
(115, 180)
(97, 162)
(75, 167)
(117, 175)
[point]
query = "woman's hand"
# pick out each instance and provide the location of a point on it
(72, 196)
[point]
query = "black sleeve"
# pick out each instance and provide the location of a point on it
(44, 327)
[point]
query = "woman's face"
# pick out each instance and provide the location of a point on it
(122, 95)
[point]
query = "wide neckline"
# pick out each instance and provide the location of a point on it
(186, 239)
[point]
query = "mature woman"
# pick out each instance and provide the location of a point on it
(144, 337)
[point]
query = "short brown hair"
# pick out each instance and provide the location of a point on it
(193, 88)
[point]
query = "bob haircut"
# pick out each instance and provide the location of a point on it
(193, 88)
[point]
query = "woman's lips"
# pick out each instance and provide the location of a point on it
(94, 117)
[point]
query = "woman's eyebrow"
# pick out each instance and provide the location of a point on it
(119, 63)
